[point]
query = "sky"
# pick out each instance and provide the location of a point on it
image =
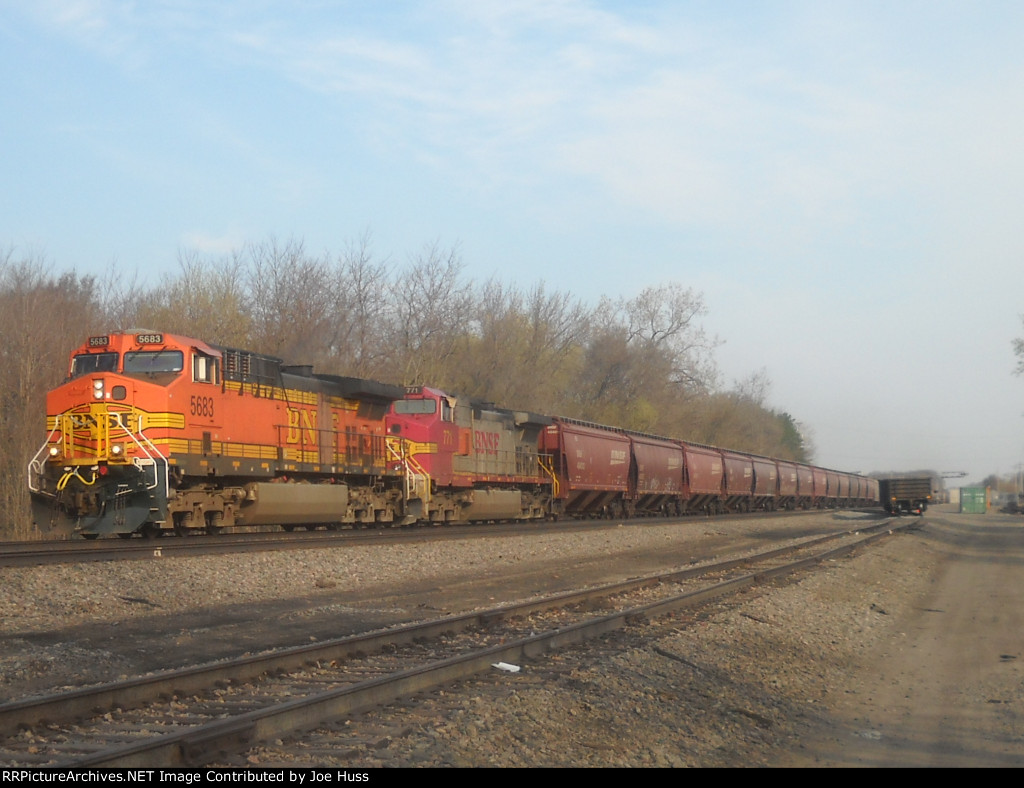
(841, 180)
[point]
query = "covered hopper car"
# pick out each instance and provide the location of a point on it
(153, 433)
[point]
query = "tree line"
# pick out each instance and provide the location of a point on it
(642, 362)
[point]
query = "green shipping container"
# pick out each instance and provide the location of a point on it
(974, 500)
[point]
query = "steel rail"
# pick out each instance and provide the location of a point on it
(195, 745)
(39, 553)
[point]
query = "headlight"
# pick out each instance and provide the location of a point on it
(97, 389)
(54, 451)
(117, 449)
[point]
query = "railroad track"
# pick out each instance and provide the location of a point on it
(51, 552)
(47, 553)
(198, 715)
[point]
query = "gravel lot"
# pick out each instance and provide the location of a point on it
(787, 676)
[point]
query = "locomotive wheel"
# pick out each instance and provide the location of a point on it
(214, 521)
(182, 521)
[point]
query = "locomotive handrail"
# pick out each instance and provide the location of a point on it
(546, 466)
(149, 449)
(35, 463)
(114, 419)
(415, 478)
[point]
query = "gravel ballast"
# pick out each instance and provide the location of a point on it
(753, 681)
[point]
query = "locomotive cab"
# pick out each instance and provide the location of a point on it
(101, 469)
(424, 421)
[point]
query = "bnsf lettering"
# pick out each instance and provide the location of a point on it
(301, 426)
(486, 442)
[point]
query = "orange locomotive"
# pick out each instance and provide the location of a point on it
(155, 431)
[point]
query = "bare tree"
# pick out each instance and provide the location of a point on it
(291, 297)
(430, 311)
(609, 378)
(206, 300)
(647, 360)
(42, 318)
(665, 318)
(355, 329)
(754, 388)
(525, 347)
(559, 328)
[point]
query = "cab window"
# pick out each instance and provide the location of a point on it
(408, 407)
(153, 361)
(87, 363)
(205, 369)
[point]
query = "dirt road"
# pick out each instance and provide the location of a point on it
(948, 688)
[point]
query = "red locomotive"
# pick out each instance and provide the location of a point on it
(466, 461)
(156, 432)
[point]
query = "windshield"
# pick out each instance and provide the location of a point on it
(154, 361)
(407, 406)
(87, 363)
